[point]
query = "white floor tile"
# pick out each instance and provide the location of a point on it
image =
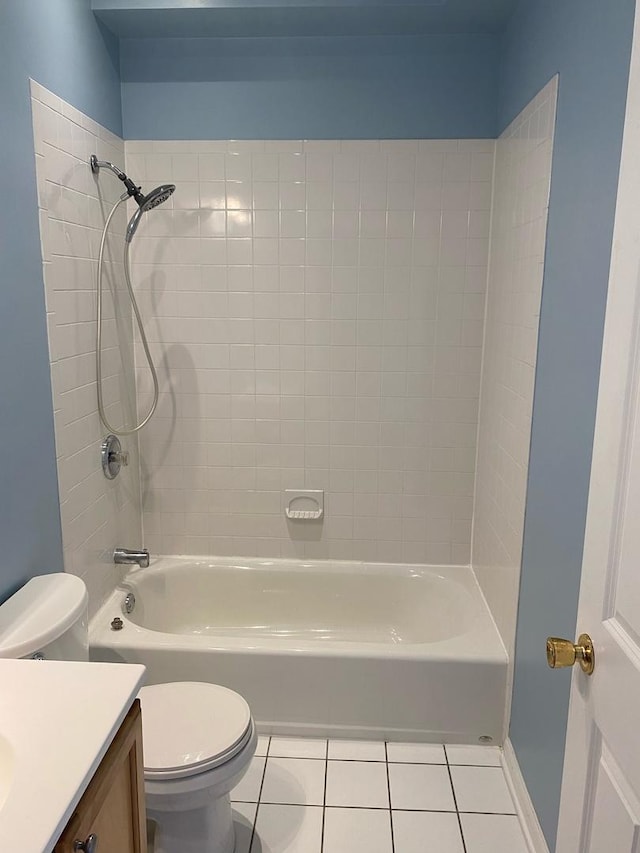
(482, 789)
(288, 829)
(244, 815)
(420, 786)
(297, 747)
(357, 831)
(484, 756)
(418, 832)
(357, 750)
(296, 781)
(416, 753)
(490, 833)
(357, 783)
(263, 745)
(248, 790)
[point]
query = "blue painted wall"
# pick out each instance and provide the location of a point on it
(269, 18)
(589, 43)
(60, 44)
(376, 87)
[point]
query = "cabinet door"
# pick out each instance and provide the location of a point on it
(112, 807)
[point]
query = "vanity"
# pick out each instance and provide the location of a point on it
(71, 771)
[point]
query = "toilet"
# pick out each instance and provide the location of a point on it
(198, 738)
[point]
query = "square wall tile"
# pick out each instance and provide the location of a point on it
(517, 249)
(341, 258)
(96, 514)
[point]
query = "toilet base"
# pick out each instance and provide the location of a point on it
(209, 828)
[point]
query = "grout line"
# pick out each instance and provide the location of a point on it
(486, 766)
(382, 761)
(297, 805)
(324, 794)
(386, 766)
(455, 802)
(501, 814)
(374, 808)
(298, 757)
(264, 773)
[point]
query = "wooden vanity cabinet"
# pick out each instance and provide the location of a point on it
(112, 807)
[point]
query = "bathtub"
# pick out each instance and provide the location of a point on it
(402, 652)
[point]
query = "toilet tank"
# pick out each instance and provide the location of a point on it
(48, 617)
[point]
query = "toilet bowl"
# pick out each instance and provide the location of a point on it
(198, 738)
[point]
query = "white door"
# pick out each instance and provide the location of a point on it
(600, 802)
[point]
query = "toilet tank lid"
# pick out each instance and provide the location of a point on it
(40, 612)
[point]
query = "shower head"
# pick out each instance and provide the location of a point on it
(155, 197)
(147, 202)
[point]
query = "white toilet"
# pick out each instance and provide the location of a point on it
(198, 738)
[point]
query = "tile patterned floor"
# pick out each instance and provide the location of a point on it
(304, 795)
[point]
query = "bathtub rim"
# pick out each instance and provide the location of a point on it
(482, 643)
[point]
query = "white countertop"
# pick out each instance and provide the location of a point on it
(58, 719)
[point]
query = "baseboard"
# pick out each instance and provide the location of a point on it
(526, 812)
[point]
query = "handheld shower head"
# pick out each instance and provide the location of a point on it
(156, 197)
(145, 202)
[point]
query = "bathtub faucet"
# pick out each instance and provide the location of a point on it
(124, 555)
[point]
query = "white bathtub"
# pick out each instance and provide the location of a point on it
(343, 649)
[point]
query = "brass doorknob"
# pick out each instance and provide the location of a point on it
(562, 653)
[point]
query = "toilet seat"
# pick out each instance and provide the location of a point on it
(190, 727)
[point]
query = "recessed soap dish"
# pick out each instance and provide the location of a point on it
(307, 505)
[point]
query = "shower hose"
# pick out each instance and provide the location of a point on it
(143, 337)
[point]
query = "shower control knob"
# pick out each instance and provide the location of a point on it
(113, 457)
(122, 457)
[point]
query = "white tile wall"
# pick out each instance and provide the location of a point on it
(518, 236)
(96, 514)
(316, 312)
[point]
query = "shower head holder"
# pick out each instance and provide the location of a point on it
(145, 202)
(133, 190)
